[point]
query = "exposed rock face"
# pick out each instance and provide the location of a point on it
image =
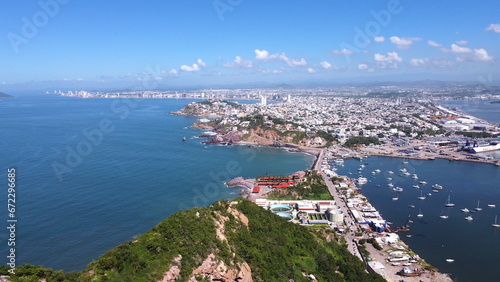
(216, 270)
(174, 271)
(213, 268)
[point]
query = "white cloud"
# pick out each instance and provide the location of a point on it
(416, 62)
(291, 62)
(239, 62)
(481, 55)
(387, 61)
(264, 55)
(379, 39)
(391, 56)
(201, 63)
(458, 49)
(362, 67)
(403, 42)
(461, 42)
(172, 72)
(344, 51)
(192, 68)
(326, 65)
(280, 70)
(310, 70)
(468, 54)
(494, 27)
(432, 43)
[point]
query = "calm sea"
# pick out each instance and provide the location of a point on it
(473, 244)
(479, 108)
(93, 173)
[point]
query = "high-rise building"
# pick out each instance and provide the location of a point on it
(263, 100)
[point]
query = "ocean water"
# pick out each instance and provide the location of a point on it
(93, 173)
(479, 108)
(474, 245)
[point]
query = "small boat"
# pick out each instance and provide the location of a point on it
(465, 210)
(443, 216)
(495, 224)
(414, 176)
(390, 185)
(408, 236)
(422, 197)
(390, 172)
(183, 139)
(491, 206)
(405, 162)
(448, 203)
(478, 208)
(377, 170)
(450, 260)
(437, 187)
(397, 189)
(469, 218)
(423, 182)
(435, 191)
(416, 186)
(395, 198)
(411, 206)
(403, 170)
(420, 214)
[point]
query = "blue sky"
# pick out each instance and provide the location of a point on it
(99, 44)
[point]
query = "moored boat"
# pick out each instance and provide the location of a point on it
(495, 224)
(407, 271)
(448, 203)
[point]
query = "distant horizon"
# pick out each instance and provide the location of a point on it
(61, 44)
(424, 83)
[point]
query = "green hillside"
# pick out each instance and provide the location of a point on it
(231, 240)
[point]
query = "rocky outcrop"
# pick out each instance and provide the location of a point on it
(173, 273)
(216, 270)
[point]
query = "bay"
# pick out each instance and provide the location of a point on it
(94, 173)
(482, 109)
(474, 245)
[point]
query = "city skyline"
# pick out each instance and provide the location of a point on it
(69, 44)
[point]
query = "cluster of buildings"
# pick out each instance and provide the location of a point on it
(306, 211)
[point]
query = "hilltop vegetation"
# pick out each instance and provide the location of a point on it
(227, 241)
(312, 188)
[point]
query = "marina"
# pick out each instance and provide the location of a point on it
(441, 232)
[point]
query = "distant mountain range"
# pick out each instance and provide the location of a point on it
(3, 95)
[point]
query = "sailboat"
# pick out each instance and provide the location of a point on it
(478, 208)
(422, 197)
(448, 203)
(420, 214)
(495, 224)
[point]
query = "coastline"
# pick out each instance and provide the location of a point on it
(386, 150)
